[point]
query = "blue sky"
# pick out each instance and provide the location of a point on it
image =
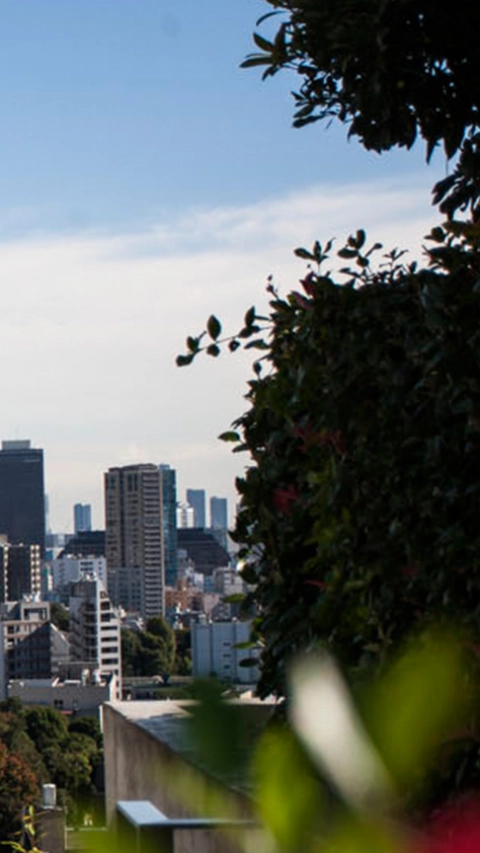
(146, 181)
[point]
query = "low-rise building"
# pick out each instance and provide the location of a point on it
(228, 581)
(77, 696)
(71, 568)
(30, 645)
(215, 651)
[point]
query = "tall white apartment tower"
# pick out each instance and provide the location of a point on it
(137, 536)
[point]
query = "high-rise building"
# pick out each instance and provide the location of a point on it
(141, 534)
(218, 514)
(168, 480)
(22, 494)
(82, 518)
(185, 515)
(196, 499)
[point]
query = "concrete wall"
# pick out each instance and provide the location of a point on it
(138, 766)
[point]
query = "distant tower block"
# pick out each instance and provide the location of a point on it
(185, 515)
(218, 514)
(141, 535)
(196, 499)
(82, 518)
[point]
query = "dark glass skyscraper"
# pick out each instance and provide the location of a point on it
(22, 494)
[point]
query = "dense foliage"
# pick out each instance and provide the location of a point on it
(18, 789)
(149, 652)
(391, 70)
(358, 516)
(358, 508)
(358, 512)
(60, 616)
(38, 745)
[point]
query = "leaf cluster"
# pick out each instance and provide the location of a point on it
(392, 71)
(18, 789)
(358, 514)
(150, 652)
(39, 746)
(60, 616)
(70, 755)
(209, 342)
(360, 507)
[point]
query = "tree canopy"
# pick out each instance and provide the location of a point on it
(60, 616)
(18, 789)
(392, 70)
(358, 514)
(358, 511)
(358, 508)
(149, 652)
(37, 745)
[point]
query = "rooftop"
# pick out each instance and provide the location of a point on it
(169, 722)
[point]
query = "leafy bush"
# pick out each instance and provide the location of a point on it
(18, 789)
(358, 514)
(391, 71)
(149, 652)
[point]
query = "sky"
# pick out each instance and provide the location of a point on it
(146, 181)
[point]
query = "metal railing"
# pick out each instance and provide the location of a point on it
(144, 828)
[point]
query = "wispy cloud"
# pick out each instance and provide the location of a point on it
(90, 325)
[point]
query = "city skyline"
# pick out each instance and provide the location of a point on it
(141, 191)
(15, 452)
